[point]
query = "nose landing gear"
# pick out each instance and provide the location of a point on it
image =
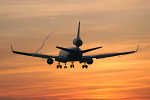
(65, 66)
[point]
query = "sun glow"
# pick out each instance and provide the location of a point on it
(117, 25)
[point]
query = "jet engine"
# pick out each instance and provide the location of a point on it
(50, 61)
(90, 61)
(77, 42)
(87, 60)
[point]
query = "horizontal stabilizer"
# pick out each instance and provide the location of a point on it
(76, 51)
(68, 50)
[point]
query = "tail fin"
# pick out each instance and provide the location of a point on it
(78, 34)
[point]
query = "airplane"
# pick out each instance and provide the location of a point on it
(73, 54)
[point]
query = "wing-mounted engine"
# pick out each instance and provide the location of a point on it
(88, 60)
(50, 61)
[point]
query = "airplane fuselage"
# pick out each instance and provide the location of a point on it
(71, 56)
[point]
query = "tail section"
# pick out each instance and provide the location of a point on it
(78, 34)
(77, 41)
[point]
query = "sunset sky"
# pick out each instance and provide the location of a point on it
(117, 25)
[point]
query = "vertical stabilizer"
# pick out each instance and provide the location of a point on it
(77, 41)
(78, 35)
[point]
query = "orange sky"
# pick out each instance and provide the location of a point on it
(117, 25)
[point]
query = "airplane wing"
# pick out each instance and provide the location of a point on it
(33, 54)
(111, 54)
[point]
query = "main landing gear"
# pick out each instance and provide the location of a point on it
(72, 65)
(59, 66)
(84, 66)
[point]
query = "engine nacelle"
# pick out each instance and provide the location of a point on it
(90, 61)
(87, 60)
(50, 61)
(77, 42)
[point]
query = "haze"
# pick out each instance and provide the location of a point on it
(117, 25)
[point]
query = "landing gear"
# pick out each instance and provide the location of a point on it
(59, 66)
(72, 65)
(65, 66)
(86, 66)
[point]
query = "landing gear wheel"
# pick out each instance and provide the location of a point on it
(86, 66)
(59, 66)
(71, 66)
(65, 66)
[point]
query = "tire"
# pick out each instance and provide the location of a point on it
(72, 66)
(60, 66)
(65, 66)
(83, 66)
(57, 66)
(86, 66)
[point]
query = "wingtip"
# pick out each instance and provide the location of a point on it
(11, 48)
(137, 48)
(100, 47)
(57, 46)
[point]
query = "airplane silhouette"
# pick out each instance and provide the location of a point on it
(73, 54)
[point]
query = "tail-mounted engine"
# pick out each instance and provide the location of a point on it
(77, 42)
(50, 61)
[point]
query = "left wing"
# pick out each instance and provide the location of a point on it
(33, 54)
(111, 54)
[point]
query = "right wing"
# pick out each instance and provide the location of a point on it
(112, 54)
(33, 54)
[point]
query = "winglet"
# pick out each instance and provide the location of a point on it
(11, 48)
(137, 48)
